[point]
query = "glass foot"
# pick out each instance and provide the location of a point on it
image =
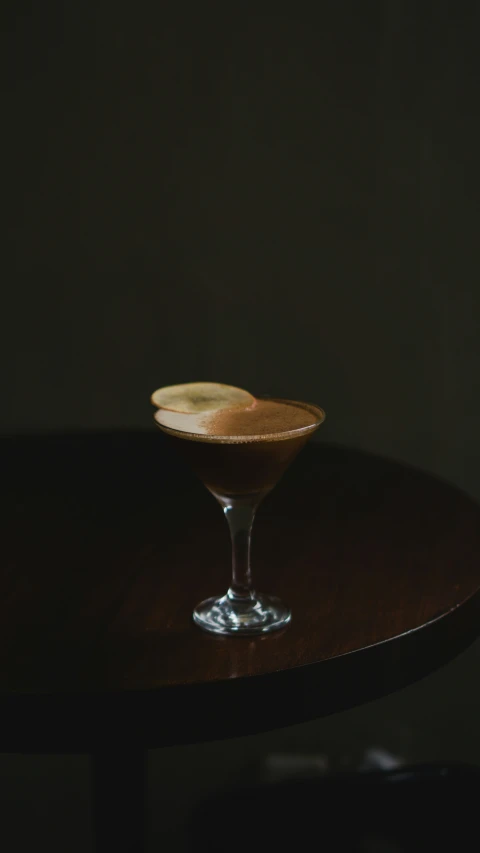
(258, 615)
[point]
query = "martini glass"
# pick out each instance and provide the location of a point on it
(239, 470)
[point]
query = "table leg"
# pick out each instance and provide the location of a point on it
(119, 788)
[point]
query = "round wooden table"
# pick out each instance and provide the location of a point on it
(107, 544)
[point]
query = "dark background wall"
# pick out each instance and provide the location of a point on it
(281, 199)
(276, 197)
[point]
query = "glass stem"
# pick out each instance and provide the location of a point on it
(240, 517)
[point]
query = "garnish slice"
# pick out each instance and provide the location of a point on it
(197, 397)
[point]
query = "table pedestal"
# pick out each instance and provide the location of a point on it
(119, 787)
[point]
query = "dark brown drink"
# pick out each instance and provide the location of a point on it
(243, 452)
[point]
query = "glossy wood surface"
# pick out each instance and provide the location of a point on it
(108, 541)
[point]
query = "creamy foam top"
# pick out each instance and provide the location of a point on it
(264, 419)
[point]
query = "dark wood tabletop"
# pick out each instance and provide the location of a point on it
(108, 542)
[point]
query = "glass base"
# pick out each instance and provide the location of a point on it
(228, 615)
